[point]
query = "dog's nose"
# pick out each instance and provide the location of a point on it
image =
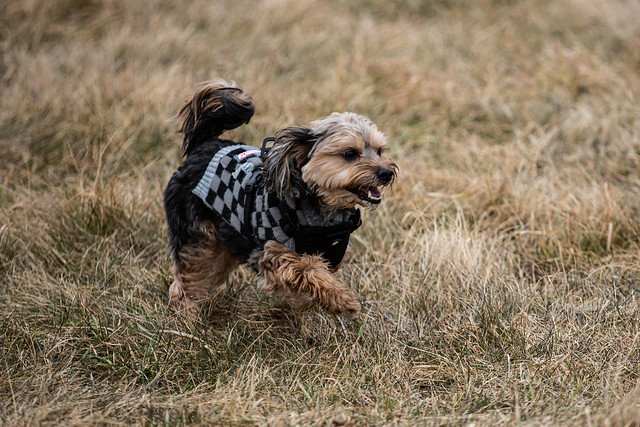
(385, 175)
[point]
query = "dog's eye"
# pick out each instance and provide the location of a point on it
(349, 155)
(379, 151)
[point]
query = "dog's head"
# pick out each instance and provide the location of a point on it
(338, 158)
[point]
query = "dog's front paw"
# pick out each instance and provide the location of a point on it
(181, 303)
(342, 303)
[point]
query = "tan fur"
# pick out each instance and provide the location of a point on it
(199, 272)
(303, 280)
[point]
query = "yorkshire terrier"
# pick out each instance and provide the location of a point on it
(287, 211)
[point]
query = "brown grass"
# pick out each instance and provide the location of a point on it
(499, 280)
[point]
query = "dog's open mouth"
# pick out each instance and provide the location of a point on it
(368, 194)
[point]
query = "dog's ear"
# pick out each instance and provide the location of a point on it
(284, 161)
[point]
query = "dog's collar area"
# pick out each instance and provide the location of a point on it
(330, 241)
(264, 149)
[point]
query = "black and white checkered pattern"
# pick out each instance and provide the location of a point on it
(232, 171)
(225, 188)
(267, 217)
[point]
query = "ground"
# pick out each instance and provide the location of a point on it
(499, 279)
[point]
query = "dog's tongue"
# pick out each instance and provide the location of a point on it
(375, 192)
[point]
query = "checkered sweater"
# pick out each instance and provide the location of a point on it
(232, 186)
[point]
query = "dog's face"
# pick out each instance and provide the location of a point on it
(340, 158)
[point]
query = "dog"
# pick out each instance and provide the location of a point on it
(287, 211)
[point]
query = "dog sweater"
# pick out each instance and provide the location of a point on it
(233, 187)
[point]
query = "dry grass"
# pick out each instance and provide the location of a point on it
(499, 281)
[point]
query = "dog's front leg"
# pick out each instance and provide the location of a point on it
(303, 280)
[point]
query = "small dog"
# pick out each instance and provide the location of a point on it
(286, 211)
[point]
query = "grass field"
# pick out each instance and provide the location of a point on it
(500, 278)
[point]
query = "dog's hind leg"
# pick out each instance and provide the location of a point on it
(303, 280)
(199, 269)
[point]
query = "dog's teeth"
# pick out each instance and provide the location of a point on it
(369, 194)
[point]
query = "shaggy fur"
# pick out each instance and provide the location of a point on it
(336, 161)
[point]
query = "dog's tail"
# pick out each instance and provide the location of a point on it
(216, 107)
